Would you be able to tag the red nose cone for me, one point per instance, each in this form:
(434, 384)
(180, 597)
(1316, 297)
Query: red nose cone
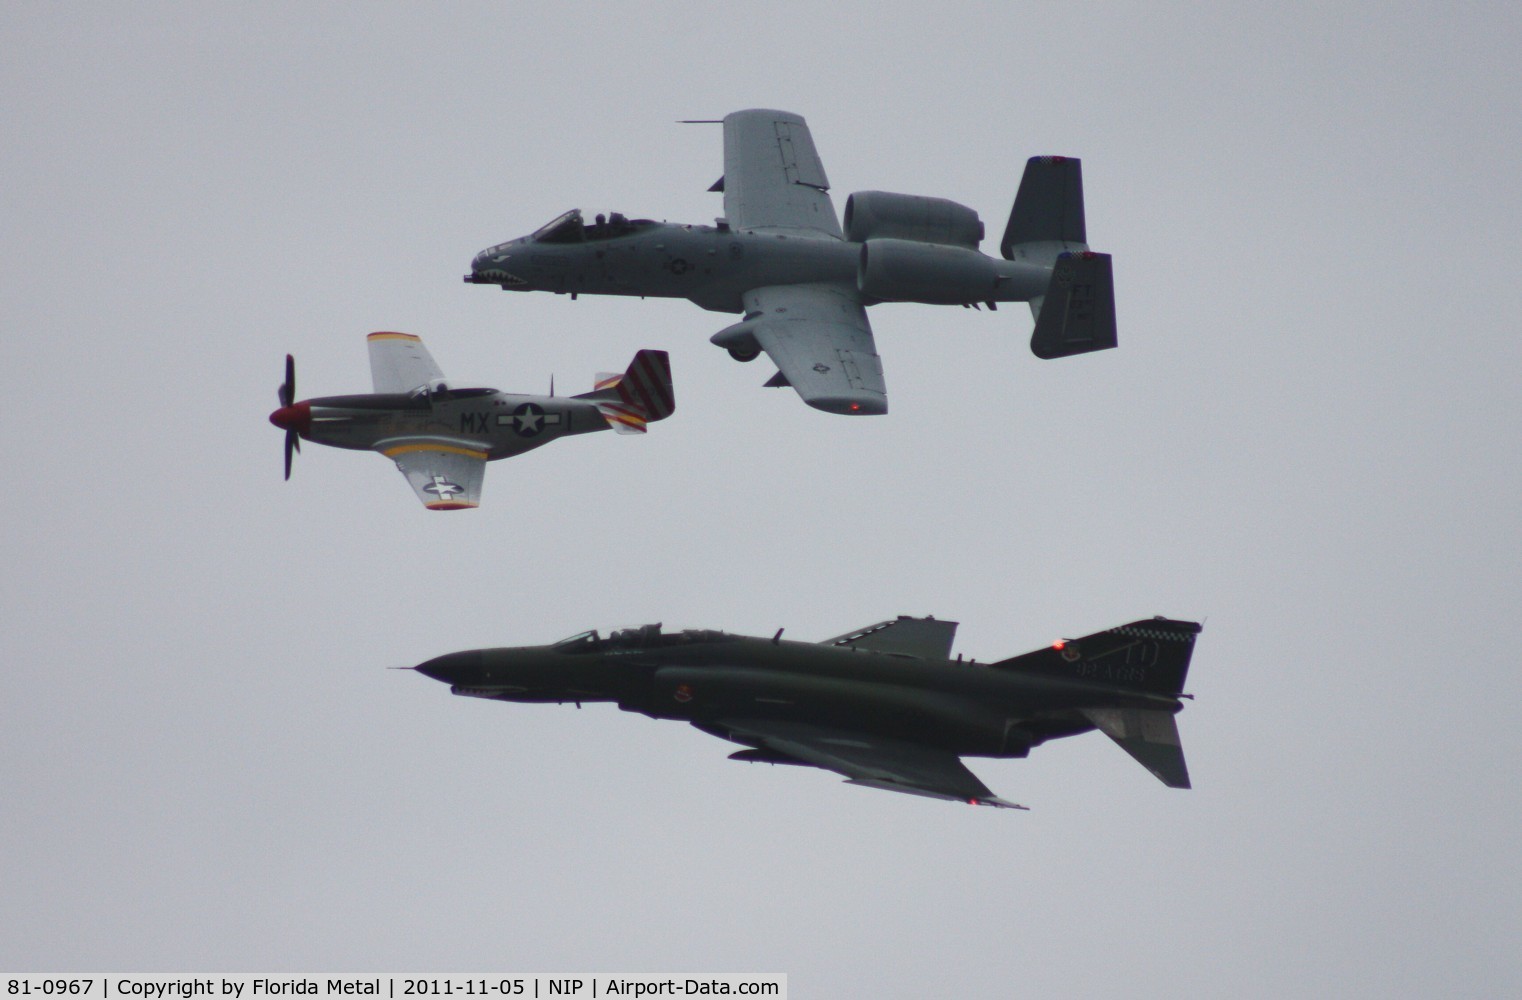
(297, 417)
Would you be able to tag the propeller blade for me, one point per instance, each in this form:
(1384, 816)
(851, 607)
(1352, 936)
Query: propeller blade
(288, 387)
(287, 397)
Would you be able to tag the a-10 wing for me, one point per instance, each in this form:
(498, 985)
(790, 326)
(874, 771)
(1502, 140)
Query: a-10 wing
(870, 760)
(817, 334)
(773, 180)
(819, 339)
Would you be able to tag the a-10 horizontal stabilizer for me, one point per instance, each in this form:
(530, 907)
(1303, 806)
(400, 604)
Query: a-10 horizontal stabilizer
(1151, 736)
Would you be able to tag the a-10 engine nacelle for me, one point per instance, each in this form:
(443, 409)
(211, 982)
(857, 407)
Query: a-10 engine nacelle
(881, 215)
(906, 271)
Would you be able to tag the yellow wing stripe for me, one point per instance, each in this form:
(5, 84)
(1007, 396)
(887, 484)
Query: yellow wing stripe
(393, 336)
(404, 449)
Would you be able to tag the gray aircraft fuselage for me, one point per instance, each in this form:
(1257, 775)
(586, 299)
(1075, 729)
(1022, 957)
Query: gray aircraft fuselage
(501, 424)
(711, 266)
(705, 677)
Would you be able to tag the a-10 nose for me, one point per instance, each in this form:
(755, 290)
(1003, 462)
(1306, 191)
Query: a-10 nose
(481, 262)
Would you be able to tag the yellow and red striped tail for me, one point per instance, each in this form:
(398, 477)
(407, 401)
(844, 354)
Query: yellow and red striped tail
(624, 419)
(640, 395)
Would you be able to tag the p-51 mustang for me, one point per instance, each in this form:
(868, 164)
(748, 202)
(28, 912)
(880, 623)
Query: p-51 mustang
(441, 437)
(780, 256)
(885, 705)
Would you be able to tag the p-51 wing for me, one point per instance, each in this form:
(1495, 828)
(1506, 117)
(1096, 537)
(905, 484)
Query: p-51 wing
(400, 363)
(869, 760)
(445, 475)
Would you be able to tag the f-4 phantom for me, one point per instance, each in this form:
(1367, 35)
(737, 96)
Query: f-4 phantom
(441, 437)
(780, 256)
(885, 706)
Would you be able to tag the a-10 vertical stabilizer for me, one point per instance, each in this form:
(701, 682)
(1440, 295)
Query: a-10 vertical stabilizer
(1076, 315)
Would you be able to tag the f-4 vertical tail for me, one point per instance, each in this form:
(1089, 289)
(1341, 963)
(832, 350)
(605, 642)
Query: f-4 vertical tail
(1149, 656)
(1047, 226)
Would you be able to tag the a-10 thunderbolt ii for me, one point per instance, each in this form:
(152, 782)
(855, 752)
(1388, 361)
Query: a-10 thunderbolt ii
(780, 256)
(885, 705)
(441, 436)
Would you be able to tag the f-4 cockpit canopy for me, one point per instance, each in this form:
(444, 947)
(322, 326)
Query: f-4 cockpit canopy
(634, 638)
(641, 637)
(569, 228)
(581, 642)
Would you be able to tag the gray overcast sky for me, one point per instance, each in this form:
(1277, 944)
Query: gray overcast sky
(1308, 437)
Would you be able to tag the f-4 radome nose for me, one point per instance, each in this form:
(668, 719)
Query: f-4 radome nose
(453, 668)
(296, 417)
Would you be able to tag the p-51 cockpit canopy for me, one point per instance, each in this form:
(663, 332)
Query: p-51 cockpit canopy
(569, 228)
(438, 392)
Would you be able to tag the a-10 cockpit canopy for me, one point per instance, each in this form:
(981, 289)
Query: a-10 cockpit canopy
(642, 637)
(569, 228)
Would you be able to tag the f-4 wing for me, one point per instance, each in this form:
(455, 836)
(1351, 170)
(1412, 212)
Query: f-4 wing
(445, 475)
(872, 761)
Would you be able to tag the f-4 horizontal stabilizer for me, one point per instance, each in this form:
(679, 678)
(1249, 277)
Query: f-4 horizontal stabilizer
(1077, 313)
(1149, 735)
